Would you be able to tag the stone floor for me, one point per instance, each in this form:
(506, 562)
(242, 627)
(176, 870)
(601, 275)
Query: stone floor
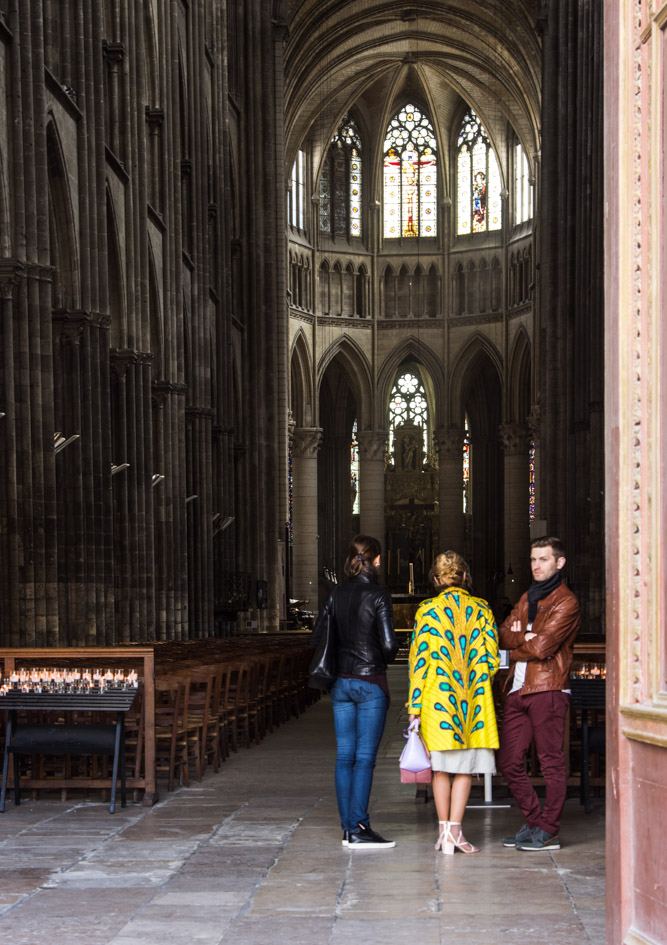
(252, 855)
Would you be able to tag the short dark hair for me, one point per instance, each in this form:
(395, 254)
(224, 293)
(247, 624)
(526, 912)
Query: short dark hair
(550, 541)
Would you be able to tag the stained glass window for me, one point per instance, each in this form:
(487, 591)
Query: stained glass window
(408, 405)
(410, 176)
(479, 206)
(340, 183)
(354, 469)
(523, 189)
(467, 456)
(297, 193)
(531, 481)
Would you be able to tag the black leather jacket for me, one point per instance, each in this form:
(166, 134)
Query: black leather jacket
(363, 626)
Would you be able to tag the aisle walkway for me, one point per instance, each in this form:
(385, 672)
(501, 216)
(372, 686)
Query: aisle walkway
(252, 856)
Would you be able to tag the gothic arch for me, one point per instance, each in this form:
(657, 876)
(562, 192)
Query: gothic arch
(156, 317)
(478, 350)
(152, 60)
(519, 390)
(434, 381)
(5, 228)
(353, 360)
(62, 231)
(301, 385)
(116, 280)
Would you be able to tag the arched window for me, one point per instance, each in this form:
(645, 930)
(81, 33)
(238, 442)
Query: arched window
(408, 405)
(531, 481)
(340, 183)
(410, 176)
(354, 470)
(478, 179)
(296, 198)
(467, 456)
(523, 189)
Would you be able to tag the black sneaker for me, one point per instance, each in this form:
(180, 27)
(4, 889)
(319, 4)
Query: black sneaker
(523, 833)
(540, 840)
(363, 838)
(346, 838)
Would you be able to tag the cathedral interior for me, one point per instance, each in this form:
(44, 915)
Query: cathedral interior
(276, 272)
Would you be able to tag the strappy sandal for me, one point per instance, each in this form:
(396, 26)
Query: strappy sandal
(459, 842)
(443, 843)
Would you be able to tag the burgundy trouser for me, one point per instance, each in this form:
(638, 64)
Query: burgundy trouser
(539, 717)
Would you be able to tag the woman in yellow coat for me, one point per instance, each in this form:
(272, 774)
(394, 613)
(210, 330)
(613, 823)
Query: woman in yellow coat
(453, 659)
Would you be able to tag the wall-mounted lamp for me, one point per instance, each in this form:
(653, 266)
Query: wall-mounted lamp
(225, 523)
(119, 468)
(156, 479)
(60, 441)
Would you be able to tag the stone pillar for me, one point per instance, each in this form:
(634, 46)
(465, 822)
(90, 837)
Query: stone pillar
(514, 441)
(449, 444)
(307, 441)
(372, 445)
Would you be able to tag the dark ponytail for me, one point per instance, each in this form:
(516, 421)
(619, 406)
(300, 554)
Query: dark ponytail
(363, 552)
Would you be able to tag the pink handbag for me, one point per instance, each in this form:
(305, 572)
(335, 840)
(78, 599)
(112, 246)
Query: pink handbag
(415, 761)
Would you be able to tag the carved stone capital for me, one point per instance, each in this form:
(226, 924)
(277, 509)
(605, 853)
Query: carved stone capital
(121, 360)
(113, 52)
(513, 438)
(11, 273)
(449, 443)
(307, 441)
(534, 421)
(164, 388)
(154, 118)
(372, 445)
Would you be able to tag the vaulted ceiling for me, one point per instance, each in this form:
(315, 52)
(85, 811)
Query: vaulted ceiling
(371, 53)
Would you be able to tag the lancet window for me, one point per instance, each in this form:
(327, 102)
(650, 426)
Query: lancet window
(523, 189)
(297, 193)
(479, 206)
(410, 176)
(408, 406)
(340, 183)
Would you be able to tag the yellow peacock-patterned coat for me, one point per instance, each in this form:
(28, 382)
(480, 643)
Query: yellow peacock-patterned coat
(453, 659)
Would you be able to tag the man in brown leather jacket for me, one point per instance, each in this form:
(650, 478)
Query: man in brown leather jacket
(539, 634)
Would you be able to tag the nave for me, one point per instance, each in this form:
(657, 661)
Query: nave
(252, 855)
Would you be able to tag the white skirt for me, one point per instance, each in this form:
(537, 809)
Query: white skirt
(464, 761)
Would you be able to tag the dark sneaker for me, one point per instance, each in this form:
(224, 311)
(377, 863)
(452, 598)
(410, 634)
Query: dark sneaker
(363, 838)
(540, 840)
(346, 838)
(523, 833)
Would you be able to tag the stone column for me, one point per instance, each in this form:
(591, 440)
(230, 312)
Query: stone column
(449, 444)
(372, 445)
(514, 441)
(307, 441)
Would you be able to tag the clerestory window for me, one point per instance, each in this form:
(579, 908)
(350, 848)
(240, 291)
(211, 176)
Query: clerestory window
(410, 176)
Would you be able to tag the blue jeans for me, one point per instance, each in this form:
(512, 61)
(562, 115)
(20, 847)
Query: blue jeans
(359, 710)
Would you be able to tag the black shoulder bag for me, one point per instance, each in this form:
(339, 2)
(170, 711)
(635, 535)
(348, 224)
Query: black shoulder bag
(322, 669)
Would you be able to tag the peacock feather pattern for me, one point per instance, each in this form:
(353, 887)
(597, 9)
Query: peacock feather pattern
(453, 658)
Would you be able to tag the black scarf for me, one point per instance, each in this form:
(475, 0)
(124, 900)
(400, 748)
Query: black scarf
(540, 589)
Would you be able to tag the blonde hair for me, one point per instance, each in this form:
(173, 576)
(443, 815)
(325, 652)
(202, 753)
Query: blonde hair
(449, 569)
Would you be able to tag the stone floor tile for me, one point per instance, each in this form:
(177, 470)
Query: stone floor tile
(376, 931)
(253, 855)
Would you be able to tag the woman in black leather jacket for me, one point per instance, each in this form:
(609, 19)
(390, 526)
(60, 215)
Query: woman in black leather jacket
(361, 621)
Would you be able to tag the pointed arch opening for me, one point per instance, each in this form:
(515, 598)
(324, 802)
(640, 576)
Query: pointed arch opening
(479, 207)
(410, 175)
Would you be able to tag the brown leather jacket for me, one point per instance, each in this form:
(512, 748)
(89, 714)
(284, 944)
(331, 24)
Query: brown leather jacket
(549, 654)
